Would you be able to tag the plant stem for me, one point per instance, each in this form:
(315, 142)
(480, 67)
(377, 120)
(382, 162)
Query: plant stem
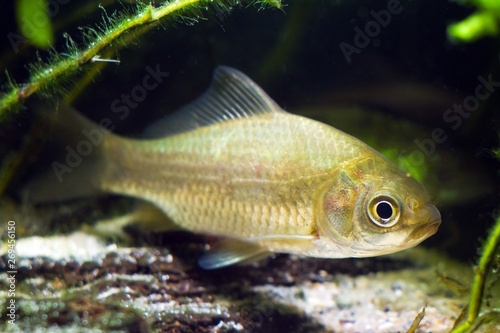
(481, 272)
(49, 75)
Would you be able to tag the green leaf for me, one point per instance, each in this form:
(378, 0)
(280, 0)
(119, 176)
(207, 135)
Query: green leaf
(477, 25)
(34, 22)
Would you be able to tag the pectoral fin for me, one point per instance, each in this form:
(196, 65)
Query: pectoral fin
(229, 252)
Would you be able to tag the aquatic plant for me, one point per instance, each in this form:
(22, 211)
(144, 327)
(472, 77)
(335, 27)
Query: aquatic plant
(62, 65)
(485, 21)
(481, 271)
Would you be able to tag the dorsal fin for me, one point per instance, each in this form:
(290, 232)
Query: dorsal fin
(231, 95)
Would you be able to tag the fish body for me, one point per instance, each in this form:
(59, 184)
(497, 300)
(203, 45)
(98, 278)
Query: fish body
(234, 164)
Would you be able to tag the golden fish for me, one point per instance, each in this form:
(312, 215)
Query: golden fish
(234, 164)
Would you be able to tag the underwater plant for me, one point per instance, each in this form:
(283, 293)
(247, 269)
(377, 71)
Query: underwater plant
(61, 65)
(484, 269)
(485, 21)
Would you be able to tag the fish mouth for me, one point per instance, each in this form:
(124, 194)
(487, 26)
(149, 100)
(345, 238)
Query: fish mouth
(425, 230)
(429, 228)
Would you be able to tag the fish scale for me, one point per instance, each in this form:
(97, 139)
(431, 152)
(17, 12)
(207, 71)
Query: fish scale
(196, 188)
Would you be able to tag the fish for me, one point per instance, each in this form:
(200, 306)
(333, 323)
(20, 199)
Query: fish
(235, 165)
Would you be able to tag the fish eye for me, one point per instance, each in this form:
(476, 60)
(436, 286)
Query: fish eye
(383, 211)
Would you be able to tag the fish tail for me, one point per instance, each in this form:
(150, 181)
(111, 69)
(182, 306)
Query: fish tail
(80, 163)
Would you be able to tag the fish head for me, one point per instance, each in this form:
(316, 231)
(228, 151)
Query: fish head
(374, 208)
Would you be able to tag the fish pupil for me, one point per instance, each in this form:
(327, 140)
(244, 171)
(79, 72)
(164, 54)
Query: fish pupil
(384, 210)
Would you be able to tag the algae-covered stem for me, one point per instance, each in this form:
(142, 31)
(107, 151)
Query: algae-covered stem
(481, 272)
(417, 320)
(48, 76)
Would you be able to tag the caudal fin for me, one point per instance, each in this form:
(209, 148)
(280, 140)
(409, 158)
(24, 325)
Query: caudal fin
(77, 170)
